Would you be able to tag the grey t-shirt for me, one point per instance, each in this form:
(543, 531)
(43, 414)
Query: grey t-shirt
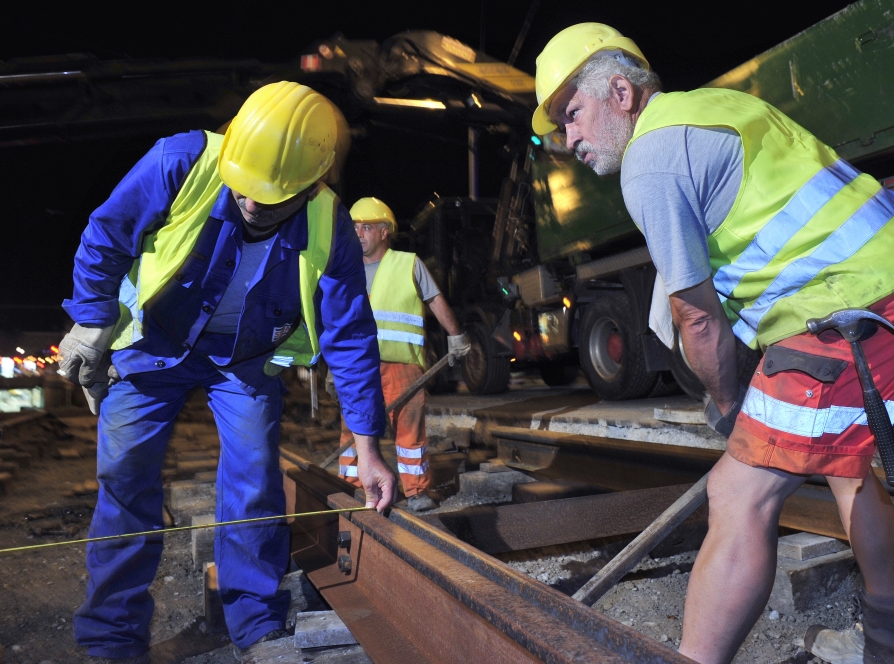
(225, 319)
(426, 287)
(679, 184)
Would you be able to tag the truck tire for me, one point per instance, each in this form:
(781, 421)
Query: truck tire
(558, 374)
(746, 362)
(484, 372)
(611, 354)
(436, 348)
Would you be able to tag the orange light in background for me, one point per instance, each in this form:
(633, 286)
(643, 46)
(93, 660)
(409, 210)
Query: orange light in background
(17, 360)
(55, 349)
(517, 336)
(566, 302)
(512, 359)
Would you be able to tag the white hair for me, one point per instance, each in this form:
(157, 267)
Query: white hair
(593, 78)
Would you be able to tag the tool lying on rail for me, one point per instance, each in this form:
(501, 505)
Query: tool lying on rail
(856, 325)
(407, 394)
(629, 557)
(182, 528)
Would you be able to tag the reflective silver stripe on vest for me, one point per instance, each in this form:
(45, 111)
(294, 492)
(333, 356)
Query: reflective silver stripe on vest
(347, 471)
(803, 206)
(398, 317)
(397, 335)
(804, 420)
(406, 469)
(128, 295)
(841, 244)
(349, 453)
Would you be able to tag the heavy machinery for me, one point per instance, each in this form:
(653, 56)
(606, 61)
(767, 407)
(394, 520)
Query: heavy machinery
(550, 274)
(566, 281)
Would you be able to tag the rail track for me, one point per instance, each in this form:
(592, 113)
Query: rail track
(411, 592)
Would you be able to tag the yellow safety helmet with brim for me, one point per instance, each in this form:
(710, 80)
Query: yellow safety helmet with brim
(564, 56)
(373, 211)
(280, 143)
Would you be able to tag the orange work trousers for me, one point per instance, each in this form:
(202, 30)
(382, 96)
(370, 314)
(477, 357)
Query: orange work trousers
(408, 423)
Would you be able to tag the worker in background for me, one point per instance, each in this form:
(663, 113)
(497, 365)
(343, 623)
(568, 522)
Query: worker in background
(754, 226)
(216, 262)
(399, 286)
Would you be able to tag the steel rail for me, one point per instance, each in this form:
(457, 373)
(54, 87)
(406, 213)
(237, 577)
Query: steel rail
(457, 604)
(625, 465)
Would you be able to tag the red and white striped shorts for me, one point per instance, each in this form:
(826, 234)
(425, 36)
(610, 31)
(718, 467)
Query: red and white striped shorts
(796, 423)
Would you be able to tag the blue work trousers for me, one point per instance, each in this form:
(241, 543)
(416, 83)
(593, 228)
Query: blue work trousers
(135, 423)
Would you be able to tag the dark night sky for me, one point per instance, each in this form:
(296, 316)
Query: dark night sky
(49, 191)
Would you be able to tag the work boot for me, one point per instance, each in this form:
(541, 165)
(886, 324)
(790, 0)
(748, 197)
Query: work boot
(420, 503)
(874, 642)
(245, 654)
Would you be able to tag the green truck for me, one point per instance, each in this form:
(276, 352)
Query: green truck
(566, 281)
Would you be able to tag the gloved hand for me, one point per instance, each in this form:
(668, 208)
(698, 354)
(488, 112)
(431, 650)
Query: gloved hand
(330, 386)
(724, 424)
(82, 351)
(458, 346)
(106, 377)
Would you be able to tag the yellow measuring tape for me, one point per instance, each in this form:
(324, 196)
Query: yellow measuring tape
(182, 528)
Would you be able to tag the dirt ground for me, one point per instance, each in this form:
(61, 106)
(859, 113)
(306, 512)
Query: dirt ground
(53, 499)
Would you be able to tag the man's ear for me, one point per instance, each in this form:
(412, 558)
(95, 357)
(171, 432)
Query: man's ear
(622, 92)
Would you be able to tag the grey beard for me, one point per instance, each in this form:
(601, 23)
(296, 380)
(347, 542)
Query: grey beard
(617, 130)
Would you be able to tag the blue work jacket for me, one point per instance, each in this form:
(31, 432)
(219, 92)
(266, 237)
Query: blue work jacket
(175, 318)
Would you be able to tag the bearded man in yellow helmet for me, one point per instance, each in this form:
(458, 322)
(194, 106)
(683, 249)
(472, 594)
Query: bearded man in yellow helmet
(399, 287)
(754, 226)
(216, 262)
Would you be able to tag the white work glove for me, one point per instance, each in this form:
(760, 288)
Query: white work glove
(330, 386)
(99, 390)
(82, 351)
(458, 346)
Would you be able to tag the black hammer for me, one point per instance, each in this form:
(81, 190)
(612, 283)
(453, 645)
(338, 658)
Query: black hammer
(856, 325)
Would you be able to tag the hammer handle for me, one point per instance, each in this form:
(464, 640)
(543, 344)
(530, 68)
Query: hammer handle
(880, 425)
(876, 413)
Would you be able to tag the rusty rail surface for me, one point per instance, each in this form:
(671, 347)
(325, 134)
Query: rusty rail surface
(410, 592)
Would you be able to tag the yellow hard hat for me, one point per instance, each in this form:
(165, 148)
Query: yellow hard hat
(281, 142)
(565, 54)
(372, 210)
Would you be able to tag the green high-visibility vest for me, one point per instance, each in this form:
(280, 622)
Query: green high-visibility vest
(165, 250)
(808, 234)
(399, 313)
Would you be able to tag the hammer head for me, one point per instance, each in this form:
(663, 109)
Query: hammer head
(852, 324)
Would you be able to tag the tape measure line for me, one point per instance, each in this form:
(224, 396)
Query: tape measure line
(183, 528)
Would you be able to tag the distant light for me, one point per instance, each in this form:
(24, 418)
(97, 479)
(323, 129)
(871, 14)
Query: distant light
(536, 140)
(517, 336)
(20, 350)
(54, 350)
(566, 302)
(512, 359)
(432, 104)
(17, 360)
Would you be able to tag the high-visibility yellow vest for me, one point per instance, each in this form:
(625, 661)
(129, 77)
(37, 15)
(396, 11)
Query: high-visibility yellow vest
(165, 250)
(399, 313)
(807, 234)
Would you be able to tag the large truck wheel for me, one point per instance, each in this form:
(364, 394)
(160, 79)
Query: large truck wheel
(557, 374)
(746, 362)
(611, 354)
(484, 372)
(436, 348)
